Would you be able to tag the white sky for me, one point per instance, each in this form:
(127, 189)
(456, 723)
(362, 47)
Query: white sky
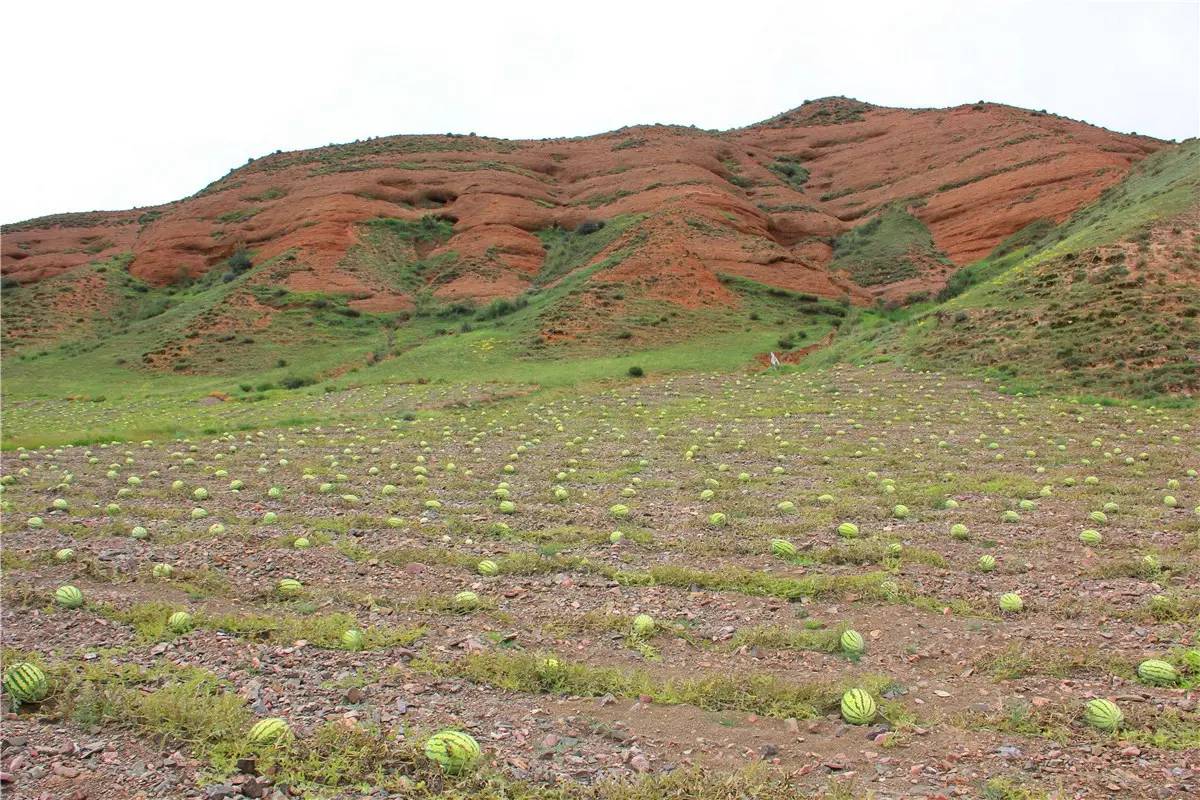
(123, 104)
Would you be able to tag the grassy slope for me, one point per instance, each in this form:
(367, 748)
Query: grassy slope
(1106, 333)
(94, 390)
(885, 249)
(112, 397)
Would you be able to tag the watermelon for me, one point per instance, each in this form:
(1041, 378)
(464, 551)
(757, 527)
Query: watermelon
(959, 531)
(272, 730)
(353, 639)
(68, 597)
(162, 570)
(717, 519)
(986, 563)
(301, 543)
(786, 507)
(1157, 673)
(507, 507)
(1011, 602)
(847, 530)
(858, 707)
(643, 625)
(1091, 536)
(25, 683)
(620, 511)
(65, 554)
(289, 587)
(465, 601)
(783, 548)
(1103, 714)
(900, 512)
(454, 751)
(852, 642)
(488, 567)
(180, 622)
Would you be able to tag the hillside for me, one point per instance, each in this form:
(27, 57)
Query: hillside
(663, 246)
(1106, 303)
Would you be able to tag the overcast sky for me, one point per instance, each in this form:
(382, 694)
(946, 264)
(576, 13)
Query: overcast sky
(123, 104)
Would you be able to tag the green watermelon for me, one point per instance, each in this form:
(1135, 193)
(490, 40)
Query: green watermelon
(68, 597)
(454, 751)
(852, 642)
(289, 587)
(1103, 714)
(272, 730)
(1011, 602)
(858, 707)
(25, 683)
(180, 622)
(783, 548)
(1157, 673)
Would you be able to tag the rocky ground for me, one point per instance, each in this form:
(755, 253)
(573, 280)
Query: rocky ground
(738, 683)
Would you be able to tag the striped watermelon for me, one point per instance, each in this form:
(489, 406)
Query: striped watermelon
(1157, 673)
(488, 567)
(180, 622)
(1011, 602)
(852, 642)
(1103, 714)
(643, 625)
(858, 707)
(783, 548)
(289, 587)
(68, 597)
(269, 731)
(987, 563)
(454, 751)
(353, 639)
(847, 530)
(25, 683)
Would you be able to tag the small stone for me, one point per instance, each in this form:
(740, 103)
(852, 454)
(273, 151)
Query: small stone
(640, 763)
(768, 750)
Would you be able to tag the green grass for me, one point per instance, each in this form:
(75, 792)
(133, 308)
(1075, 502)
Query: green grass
(887, 248)
(759, 694)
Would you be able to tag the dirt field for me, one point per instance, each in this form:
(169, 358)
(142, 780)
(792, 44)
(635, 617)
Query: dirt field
(736, 686)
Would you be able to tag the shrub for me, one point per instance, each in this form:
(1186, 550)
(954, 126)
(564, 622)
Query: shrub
(636, 372)
(240, 261)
